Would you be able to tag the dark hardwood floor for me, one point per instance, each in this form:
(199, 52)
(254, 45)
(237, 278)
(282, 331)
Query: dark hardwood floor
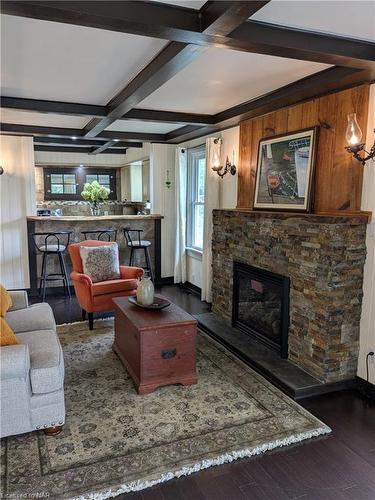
(67, 311)
(340, 466)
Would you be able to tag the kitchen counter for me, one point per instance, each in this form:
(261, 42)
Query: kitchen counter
(151, 231)
(96, 218)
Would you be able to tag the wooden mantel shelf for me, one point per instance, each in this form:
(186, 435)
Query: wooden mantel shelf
(319, 217)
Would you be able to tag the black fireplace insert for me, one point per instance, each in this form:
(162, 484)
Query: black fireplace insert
(261, 305)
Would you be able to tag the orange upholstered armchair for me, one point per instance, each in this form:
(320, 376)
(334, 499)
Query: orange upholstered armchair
(97, 297)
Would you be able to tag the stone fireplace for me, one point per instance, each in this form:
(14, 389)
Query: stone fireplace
(322, 258)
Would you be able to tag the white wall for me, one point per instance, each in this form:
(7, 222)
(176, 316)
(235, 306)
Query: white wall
(367, 332)
(17, 200)
(228, 188)
(162, 158)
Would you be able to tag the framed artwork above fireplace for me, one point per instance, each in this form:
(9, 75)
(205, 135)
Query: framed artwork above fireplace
(285, 172)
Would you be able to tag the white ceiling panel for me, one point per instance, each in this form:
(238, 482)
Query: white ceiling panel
(41, 119)
(220, 79)
(355, 19)
(143, 127)
(62, 62)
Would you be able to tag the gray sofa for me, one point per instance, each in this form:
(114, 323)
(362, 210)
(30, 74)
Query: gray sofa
(32, 372)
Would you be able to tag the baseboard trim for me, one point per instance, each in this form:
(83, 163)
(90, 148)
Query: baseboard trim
(366, 388)
(192, 288)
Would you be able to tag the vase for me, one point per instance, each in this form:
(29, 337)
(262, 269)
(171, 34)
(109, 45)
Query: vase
(145, 291)
(95, 209)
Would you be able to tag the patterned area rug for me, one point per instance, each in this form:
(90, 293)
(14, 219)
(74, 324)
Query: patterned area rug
(116, 441)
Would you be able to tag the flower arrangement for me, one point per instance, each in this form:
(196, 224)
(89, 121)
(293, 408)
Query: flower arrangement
(95, 193)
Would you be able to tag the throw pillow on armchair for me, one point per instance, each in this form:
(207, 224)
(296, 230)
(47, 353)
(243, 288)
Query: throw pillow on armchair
(101, 263)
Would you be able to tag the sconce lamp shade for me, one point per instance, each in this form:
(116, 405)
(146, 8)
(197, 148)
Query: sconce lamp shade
(353, 138)
(353, 131)
(216, 160)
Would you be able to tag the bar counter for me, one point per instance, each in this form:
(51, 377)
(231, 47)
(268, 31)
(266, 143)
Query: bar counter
(95, 218)
(151, 225)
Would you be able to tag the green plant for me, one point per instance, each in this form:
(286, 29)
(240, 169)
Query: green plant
(94, 192)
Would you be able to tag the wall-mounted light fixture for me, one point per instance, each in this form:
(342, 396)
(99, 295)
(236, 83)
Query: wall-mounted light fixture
(1, 170)
(353, 138)
(222, 170)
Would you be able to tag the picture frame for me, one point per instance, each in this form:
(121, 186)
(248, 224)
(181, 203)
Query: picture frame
(285, 171)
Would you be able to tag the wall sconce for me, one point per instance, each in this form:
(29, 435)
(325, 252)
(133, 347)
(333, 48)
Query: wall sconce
(220, 169)
(353, 138)
(1, 170)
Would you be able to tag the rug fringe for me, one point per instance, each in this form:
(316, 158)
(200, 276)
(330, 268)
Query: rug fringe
(205, 464)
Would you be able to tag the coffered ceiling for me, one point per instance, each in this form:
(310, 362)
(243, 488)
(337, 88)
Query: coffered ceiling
(171, 71)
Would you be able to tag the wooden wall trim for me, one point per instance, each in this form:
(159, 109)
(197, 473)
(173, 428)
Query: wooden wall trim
(338, 176)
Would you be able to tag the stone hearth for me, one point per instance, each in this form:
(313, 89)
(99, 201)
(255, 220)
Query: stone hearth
(323, 256)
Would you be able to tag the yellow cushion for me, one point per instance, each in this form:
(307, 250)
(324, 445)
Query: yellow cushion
(7, 336)
(5, 301)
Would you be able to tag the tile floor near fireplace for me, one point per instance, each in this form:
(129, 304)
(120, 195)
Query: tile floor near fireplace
(285, 375)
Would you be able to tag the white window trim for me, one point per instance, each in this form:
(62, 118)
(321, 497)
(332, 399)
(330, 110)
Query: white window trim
(197, 152)
(194, 253)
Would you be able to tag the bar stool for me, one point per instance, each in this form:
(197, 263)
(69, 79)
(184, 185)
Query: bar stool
(135, 243)
(48, 244)
(101, 235)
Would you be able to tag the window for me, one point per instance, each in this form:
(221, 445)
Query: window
(195, 198)
(63, 184)
(67, 183)
(103, 179)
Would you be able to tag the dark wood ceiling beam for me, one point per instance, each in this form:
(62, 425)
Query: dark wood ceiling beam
(183, 132)
(185, 26)
(281, 41)
(131, 136)
(83, 142)
(54, 107)
(34, 130)
(73, 109)
(136, 17)
(223, 17)
(69, 149)
(154, 115)
(52, 132)
(103, 147)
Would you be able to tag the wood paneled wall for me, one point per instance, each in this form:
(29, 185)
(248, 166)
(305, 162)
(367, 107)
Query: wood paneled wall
(338, 177)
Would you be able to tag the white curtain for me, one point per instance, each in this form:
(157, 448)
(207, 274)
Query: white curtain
(211, 201)
(181, 195)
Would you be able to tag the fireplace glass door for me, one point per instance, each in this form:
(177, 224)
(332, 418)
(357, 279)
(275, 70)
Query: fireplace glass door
(261, 305)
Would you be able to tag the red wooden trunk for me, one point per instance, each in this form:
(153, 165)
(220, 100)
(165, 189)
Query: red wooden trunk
(156, 347)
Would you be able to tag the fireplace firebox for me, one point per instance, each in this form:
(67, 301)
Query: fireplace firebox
(261, 305)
